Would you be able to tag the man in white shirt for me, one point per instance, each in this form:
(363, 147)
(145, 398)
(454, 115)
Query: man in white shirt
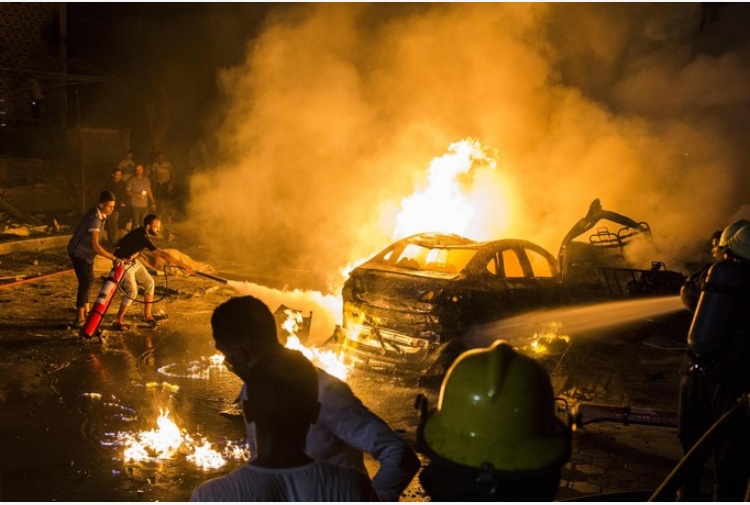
(283, 403)
(244, 330)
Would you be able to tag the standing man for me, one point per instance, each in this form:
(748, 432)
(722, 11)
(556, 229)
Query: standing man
(127, 165)
(716, 369)
(116, 185)
(84, 246)
(162, 176)
(245, 332)
(129, 249)
(283, 403)
(162, 181)
(139, 192)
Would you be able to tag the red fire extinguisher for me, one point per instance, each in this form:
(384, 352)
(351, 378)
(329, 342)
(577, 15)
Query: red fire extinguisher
(103, 301)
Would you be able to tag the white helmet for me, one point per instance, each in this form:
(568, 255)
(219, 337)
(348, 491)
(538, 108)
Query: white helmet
(731, 230)
(739, 244)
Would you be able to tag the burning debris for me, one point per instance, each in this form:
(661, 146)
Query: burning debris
(410, 301)
(167, 441)
(292, 324)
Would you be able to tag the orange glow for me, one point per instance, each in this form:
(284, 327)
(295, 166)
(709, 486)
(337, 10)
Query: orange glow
(547, 338)
(161, 443)
(464, 195)
(331, 362)
(168, 441)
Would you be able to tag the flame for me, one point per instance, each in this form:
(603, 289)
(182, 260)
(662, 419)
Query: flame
(331, 362)
(450, 203)
(162, 443)
(206, 457)
(168, 440)
(217, 361)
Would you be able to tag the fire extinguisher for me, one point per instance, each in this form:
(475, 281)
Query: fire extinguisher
(103, 301)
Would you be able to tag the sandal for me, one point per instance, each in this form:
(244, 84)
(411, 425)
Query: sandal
(120, 326)
(151, 323)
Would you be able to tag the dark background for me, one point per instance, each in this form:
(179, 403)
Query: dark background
(159, 63)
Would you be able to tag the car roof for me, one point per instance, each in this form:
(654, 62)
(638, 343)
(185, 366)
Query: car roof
(432, 239)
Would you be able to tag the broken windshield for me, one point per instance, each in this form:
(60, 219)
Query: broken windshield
(437, 259)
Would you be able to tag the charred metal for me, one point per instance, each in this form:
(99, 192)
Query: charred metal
(422, 293)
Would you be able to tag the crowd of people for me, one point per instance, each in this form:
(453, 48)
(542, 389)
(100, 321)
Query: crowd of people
(494, 435)
(138, 187)
(126, 213)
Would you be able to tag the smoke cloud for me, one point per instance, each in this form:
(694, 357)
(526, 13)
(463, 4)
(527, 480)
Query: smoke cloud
(338, 109)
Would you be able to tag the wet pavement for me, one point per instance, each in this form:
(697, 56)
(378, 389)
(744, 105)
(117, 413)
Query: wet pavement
(65, 400)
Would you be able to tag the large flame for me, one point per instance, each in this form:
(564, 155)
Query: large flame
(464, 195)
(454, 200)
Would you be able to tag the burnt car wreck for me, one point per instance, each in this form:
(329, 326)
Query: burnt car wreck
(418, 296)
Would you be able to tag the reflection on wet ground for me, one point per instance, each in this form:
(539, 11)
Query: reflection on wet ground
(111, 398)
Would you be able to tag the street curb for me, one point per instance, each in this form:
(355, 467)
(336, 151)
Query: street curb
(34, 244)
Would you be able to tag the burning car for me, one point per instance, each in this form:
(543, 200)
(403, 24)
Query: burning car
(422, 292)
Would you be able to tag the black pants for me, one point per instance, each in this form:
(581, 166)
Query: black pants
(85, 274)
(696, 415)
(703, 401)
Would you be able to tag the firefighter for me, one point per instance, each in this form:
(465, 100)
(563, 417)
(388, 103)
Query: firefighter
(694, 405)
(691, 289)
(717, 367)
(494, 435)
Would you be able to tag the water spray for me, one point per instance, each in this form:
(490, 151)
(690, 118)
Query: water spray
(576, 320)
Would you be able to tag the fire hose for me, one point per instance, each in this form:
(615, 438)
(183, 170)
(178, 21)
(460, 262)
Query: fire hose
(94, 319)
(727, 423)
(586, 413)
(731, 421)
(212, 277)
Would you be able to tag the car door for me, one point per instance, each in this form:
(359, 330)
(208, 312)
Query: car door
(528, 275)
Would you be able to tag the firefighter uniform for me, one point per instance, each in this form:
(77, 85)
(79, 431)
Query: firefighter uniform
(716, 368)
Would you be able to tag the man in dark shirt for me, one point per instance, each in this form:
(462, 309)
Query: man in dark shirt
(128, 249)
(116, 185)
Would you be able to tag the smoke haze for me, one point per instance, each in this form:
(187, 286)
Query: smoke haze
(338, 110)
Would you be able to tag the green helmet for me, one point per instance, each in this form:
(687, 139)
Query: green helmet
(496, 407)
